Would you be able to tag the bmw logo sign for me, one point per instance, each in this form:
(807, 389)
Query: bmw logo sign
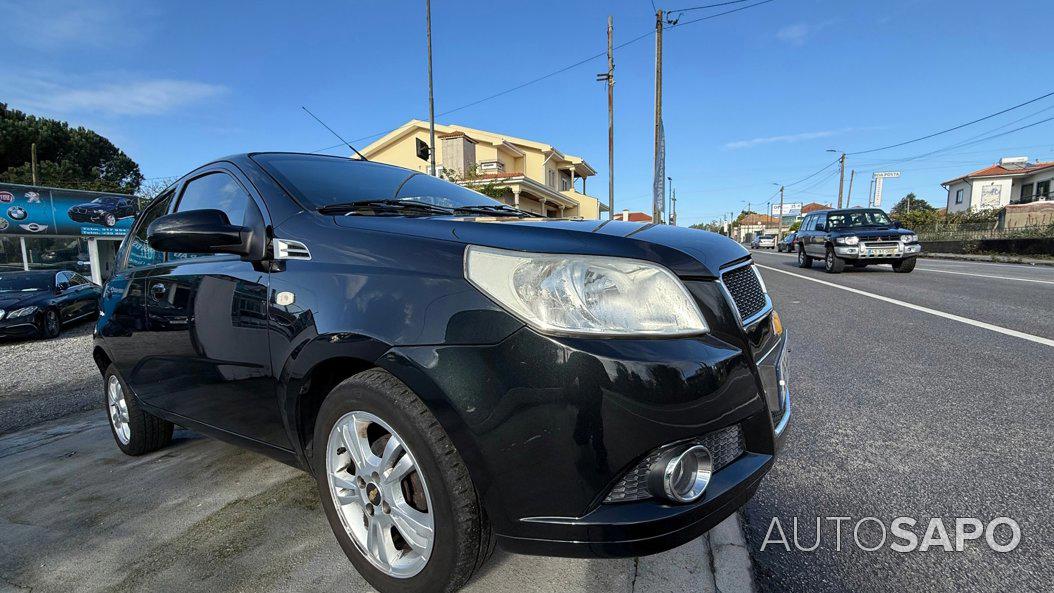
(17, 213)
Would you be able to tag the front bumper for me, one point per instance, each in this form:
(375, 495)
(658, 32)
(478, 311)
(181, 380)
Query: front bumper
(548, 426)
(864, 252)
(19, 327)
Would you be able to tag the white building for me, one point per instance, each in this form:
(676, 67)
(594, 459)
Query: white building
(1013, 180)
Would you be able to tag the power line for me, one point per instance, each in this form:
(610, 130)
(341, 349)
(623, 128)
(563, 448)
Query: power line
(952, 129)
(811, 175)
(565, 68)
(689, 9)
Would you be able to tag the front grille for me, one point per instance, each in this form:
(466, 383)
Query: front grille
(746, 290)
(881, 244)
(725, 445)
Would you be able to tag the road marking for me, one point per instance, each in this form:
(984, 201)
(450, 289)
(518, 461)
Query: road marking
(931, 261)
(987, 276)
(966, 320)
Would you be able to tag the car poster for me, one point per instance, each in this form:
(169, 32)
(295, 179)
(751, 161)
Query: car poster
(29, 210)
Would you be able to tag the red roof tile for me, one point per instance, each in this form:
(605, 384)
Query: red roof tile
(1000, 171)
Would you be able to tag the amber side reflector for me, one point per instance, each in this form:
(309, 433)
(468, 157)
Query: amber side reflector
(777, 325)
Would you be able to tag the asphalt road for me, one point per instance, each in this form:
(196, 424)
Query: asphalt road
(899, 412)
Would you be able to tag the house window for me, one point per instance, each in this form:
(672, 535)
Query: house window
(958, 196)
(1043, 190)
(1026, 194)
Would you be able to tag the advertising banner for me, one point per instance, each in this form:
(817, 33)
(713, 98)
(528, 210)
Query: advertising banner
(789, 209)
(29, 210)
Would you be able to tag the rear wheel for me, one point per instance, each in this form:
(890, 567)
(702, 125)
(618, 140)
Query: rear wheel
(833, 264)
(904, 266)
(394, 489)
(135, 430)
(804, 261)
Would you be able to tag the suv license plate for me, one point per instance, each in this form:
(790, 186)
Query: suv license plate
(881, 251)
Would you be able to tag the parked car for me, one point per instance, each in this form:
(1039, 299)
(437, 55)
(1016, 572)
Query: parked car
(453, 371)
(105, 210)
(39, 302)
(763, 242)
(857, 236)
(786, 243)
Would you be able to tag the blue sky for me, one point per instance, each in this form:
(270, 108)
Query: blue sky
(751, 98)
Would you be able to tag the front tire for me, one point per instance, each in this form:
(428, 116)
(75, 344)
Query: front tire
(135, 430)
(904, 266)
(833, 264)
(395, 490)
(50, 324)
(804, 261)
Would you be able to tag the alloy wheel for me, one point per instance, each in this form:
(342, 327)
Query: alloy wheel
(51, 323)
(118, 408)
(801, 257)
(380, 494)
(829, 262)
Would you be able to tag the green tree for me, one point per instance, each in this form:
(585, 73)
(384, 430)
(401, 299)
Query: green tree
(794, 227)
(70, 157)
(910, 203)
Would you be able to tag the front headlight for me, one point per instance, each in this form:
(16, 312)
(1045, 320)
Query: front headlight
(585, 294)
(854, 240)
(909, 238)
(22, 312)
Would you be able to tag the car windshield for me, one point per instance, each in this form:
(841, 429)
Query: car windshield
(25, 282)
(319, 181)
(863, 218)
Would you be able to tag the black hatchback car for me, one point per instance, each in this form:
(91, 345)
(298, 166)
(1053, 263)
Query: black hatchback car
(39, 302)
(857, 236)
(453, 371)
(105, 210)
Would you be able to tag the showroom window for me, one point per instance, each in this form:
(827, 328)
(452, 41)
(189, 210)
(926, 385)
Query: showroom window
(10, 253)
(57, 253)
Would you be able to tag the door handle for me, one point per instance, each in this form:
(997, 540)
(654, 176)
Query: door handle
(158, 290)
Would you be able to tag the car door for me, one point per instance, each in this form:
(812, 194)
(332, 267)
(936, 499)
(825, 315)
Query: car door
(122, 320)
(65, 297)
(87, 294)
(815, 244)
(207, 319)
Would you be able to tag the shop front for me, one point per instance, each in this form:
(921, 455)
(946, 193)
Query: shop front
(63, 229)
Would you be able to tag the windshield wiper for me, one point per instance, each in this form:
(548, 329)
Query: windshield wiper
(387, 204)
(496, 210)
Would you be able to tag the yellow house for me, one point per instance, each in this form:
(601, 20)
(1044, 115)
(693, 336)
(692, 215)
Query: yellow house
(529, 175)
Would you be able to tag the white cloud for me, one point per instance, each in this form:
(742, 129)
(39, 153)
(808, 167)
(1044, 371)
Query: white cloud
(59, 24)
(784, 138)
(131, 97)
(797, 33)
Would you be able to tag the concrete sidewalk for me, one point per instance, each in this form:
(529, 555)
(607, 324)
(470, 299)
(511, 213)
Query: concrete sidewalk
(77, 515)
(1003, 259)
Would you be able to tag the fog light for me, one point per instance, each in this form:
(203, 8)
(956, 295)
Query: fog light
(681, 475)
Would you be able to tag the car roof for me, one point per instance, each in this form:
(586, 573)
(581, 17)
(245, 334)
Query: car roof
(31, 272)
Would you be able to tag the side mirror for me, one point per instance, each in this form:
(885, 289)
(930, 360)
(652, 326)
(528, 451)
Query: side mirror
(896, 224)
(199, 231)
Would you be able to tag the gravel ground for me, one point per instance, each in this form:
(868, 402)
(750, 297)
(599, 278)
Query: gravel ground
(46, 379)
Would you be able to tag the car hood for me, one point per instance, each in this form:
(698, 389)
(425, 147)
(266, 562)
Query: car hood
(11, 301)
(687, 252)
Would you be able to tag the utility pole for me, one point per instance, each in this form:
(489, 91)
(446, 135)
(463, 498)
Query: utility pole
(841, 178)
(33, 161)
(779, 225)
(673, 208)
(431, 98)
(657, 193)
(610, 79)
(849, 196)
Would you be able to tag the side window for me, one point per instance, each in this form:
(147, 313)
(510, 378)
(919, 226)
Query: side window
(139, 251)
(806, 225)
(959, 196)
(214, 191)
(62, 278)
(820, 221)
(76, 279)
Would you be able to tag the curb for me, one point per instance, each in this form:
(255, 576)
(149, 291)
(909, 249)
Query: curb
(730, 557)
(1002, 259)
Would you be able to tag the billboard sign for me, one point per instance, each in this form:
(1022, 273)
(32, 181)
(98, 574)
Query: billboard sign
(878, 177)
(789, 209)
(30, 210)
